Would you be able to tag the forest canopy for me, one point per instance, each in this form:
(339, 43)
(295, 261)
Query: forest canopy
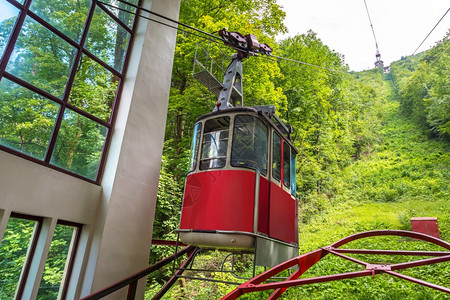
(367, 141)
(356, 133)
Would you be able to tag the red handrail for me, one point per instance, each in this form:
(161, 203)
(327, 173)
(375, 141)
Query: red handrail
(132, 280)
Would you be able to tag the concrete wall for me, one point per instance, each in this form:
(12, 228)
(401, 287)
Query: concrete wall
(118, 215)
(128, 202)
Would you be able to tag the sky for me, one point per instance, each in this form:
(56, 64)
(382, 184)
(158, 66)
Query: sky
(400, 26)
(7, 10)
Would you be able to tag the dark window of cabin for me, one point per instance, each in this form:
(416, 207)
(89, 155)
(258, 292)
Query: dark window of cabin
(286, 165)
(215, 143)
(194, 146)
(276, 157)
(293, 182)
(249, 149)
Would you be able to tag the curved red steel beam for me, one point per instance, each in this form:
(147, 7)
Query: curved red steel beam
(306, 261)
(404, 233)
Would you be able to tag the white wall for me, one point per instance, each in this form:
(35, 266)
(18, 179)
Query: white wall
(129, 199)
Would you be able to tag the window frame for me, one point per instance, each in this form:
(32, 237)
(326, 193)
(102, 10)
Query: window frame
(265, 173)
(71, 255)
(204, 132)
(272, 160)
(286, 150)
(293, 163)
(24, 11)
(31, 251)
(195, 148)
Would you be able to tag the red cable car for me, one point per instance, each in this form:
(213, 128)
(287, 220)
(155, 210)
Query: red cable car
(242, 183)
(240, 191)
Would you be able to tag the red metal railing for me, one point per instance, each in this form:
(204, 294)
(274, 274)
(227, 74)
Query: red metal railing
(306, 261)
(132, 280)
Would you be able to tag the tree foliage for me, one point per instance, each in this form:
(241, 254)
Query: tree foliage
(350, 152)
(13, 250)
(43, 59)
(339, 122)
(424, 90)
(188, 100)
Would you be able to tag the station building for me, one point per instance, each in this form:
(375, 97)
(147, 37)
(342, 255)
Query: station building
(83, 101)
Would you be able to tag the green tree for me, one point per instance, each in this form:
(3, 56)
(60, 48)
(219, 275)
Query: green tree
(317, 109)
(27, 118)
(13, 250)
(188, 100)
(423, 88)
(43, 59)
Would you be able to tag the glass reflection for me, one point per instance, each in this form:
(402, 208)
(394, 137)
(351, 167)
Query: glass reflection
(41, 58)
(249, 147)
(13, 254)
(286, 165)
(122, 10)
(276, 157)
(8, 16)
(26, 119)
(79, 145)
(107, 39)
(66, 16)
(215, 143)
(195, 145)
(94, 89)
(55, 266)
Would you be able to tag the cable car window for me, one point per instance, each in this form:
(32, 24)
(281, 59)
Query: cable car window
(293, 182)
(276, 157)
(286, 165)
(249, 149)
(194, 146)
(215, 143)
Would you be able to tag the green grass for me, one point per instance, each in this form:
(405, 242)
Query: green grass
(406, 175)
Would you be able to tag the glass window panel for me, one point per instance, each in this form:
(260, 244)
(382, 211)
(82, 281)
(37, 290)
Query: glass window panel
(79, 145)
(66, 16)
(249, 148)
(286, 165)
(107, 39)
(26, 119)
(8, 16)
(13, 252)
(215, 143)
(293, 182)
(41, 58)
(122, 12)
(276, 157)
(57, 259)
(94, 89)
(194, 146)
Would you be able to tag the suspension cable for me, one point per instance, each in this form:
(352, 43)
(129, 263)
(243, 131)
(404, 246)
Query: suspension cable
(439, 56)
(430, 31)
(371, 26)
(205, 33)
(169, 19)
(308, 64)
(156, 21)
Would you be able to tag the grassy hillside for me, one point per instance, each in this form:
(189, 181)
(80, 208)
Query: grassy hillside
(373, 153)
(401, 174)
(404, 175)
